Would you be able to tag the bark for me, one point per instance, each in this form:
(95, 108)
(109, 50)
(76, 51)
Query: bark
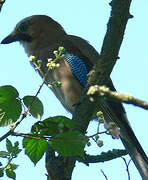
(98, 76)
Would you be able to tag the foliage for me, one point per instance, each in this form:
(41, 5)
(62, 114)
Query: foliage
(70, 143)
(36, 109)
(57, 132)
(11, 153)
(35, 148)
(10, 105)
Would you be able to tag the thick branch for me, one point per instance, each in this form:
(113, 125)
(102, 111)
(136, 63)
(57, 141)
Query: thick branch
(100, 73)
(103, 91)
(58, 167)
(104, 156)
(109, 54)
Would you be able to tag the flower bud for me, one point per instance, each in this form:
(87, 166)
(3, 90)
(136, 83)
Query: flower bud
(50, 85)
(39, 62)
(89, 144)
(61, 49)
(55, 53)
(48, 65)
(32, 58)
(58, 84)
(100, 143)
(57, 65)
(97, 137)
(49, 60)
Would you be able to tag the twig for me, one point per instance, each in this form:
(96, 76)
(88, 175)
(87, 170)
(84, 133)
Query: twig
(10, 132)
(14, 126)
(5, 135)
(59, 55)
(103, 91)
(31, 136)
(127, 167)
(103, 132)
(104, 174)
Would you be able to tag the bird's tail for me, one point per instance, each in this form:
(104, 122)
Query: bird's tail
(136, 152)
(114, 112)
(138, 156)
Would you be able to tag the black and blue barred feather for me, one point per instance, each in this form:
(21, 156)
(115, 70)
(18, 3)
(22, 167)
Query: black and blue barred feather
(78, 67)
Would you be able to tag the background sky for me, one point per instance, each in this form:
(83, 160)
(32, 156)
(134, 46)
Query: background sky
(86, 19)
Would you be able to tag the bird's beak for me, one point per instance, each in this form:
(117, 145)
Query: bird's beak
(9, 39)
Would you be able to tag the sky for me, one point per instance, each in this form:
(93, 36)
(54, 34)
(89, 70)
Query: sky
(86, 19)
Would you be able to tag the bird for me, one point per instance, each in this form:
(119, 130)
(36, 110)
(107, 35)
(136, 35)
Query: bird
(40, 35)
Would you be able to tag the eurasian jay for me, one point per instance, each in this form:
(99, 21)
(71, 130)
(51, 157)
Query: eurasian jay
(40, 35)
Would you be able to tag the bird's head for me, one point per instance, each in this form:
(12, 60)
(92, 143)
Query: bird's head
(36, 32)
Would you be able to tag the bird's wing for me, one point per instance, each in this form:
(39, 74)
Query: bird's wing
(113, 111)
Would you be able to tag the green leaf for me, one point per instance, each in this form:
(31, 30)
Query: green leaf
(16, 144)
(10, 106)
(16, 152)
(69, 143)
(16, 149)
(4, 154)
(1, 172)
(52, 126)
(10, 173)
(9, 146)
(13, 166)
(8, 92)
(35, 148)
(36, 108)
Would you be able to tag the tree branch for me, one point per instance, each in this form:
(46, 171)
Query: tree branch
(23, 116)
(58, 167)
(101, 71)
(127, 167)
(104, 156)
(103, 91)
(1, 4)
(104, 174)
(103, 68)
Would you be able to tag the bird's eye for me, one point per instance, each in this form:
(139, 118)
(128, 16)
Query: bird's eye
(22, 30)
(23, 26)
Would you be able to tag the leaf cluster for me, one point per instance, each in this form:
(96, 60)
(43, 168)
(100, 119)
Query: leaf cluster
(11, 153)
(54, 131)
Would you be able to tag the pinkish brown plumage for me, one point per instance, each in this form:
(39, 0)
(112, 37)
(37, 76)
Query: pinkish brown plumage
(40, 35)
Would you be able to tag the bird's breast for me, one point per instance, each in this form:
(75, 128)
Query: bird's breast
(72, 74)
(70, 90)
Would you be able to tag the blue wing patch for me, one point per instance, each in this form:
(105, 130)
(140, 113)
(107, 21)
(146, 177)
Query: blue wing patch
(78, 67)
